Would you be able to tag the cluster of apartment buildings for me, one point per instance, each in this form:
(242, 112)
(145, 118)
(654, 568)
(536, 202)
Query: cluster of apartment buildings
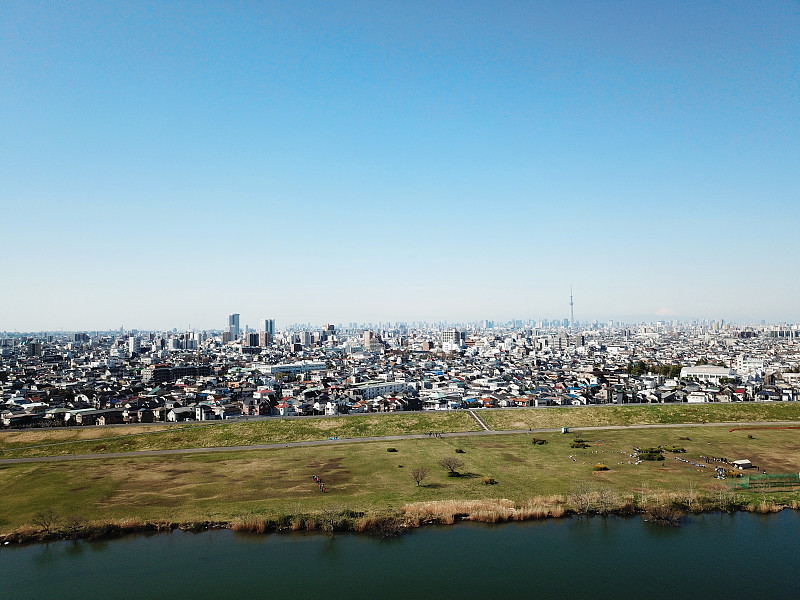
(55, 379)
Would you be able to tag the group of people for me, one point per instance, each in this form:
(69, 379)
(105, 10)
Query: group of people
(710, 459)
(435, 434)
(321, 485)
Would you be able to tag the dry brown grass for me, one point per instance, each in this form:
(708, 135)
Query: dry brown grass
(27, 531)
(541, 507)
(764, 507)
(250, 524)
(131, 524)
(492, 510)
(31, 437)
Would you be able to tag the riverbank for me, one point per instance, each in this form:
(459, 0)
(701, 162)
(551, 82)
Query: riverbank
(660, 509)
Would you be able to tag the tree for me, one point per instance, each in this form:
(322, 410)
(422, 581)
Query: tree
(74, 525)
(640, 368)
(419, 474)
(452, 464)
(581, 497)
(46, 519)
(331, 518)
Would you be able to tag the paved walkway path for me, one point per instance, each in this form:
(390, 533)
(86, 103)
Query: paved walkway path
(480, 421)
(387, 438)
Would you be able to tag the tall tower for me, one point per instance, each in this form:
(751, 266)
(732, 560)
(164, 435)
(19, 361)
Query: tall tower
(233, 325)
(267, 325)
(571, 309)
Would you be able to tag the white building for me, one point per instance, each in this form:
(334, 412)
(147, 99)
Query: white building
(303, 366)
(372, 389)
(707, 373)
(747, 365)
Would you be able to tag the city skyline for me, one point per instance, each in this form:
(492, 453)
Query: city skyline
(171, 164)
(268, 326)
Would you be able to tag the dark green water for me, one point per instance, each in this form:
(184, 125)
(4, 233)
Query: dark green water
(710, 556)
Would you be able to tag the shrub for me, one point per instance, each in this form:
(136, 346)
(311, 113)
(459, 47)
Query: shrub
(489, 481)
(391, 449)
(580, 444)
(600, 467)
(459, 451)
(664, 515)
(650, 454)
(538, 441)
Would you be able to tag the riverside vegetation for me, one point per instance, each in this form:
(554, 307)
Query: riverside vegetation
(372, 490)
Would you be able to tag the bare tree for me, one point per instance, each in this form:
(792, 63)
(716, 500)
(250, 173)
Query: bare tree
(419, 474)
(74, 525)
(607, 499)
(690, 495)
(46, 519)
(452, 464)
(643, 496)
(331, 518)
(581, 497)
(723, 496)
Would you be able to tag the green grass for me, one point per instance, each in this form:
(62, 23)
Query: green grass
(599, 416)
(33, 443)
(38, 442)
(365, 477)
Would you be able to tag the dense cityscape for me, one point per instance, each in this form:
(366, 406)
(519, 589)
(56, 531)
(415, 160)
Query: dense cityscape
(112, 377)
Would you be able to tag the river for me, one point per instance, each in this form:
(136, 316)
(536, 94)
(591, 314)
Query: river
(709, 556)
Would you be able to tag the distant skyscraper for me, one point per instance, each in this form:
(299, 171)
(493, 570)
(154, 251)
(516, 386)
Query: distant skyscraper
(268, 326)
(233, 325)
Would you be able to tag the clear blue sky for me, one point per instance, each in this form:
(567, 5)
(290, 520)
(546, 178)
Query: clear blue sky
(165, 164)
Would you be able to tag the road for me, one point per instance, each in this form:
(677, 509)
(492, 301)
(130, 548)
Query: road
(385, 438)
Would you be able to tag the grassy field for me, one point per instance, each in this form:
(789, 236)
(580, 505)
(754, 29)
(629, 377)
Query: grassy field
(599, 416)
(98, 440)
(366, 477)
(39, 442)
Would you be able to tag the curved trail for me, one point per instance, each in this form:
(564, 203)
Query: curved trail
(387, 438)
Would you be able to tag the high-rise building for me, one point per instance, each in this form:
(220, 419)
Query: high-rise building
(453, 336)
(268, 326)
(233, 325)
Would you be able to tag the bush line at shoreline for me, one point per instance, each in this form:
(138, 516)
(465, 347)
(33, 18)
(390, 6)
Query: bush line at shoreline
(658, 508)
